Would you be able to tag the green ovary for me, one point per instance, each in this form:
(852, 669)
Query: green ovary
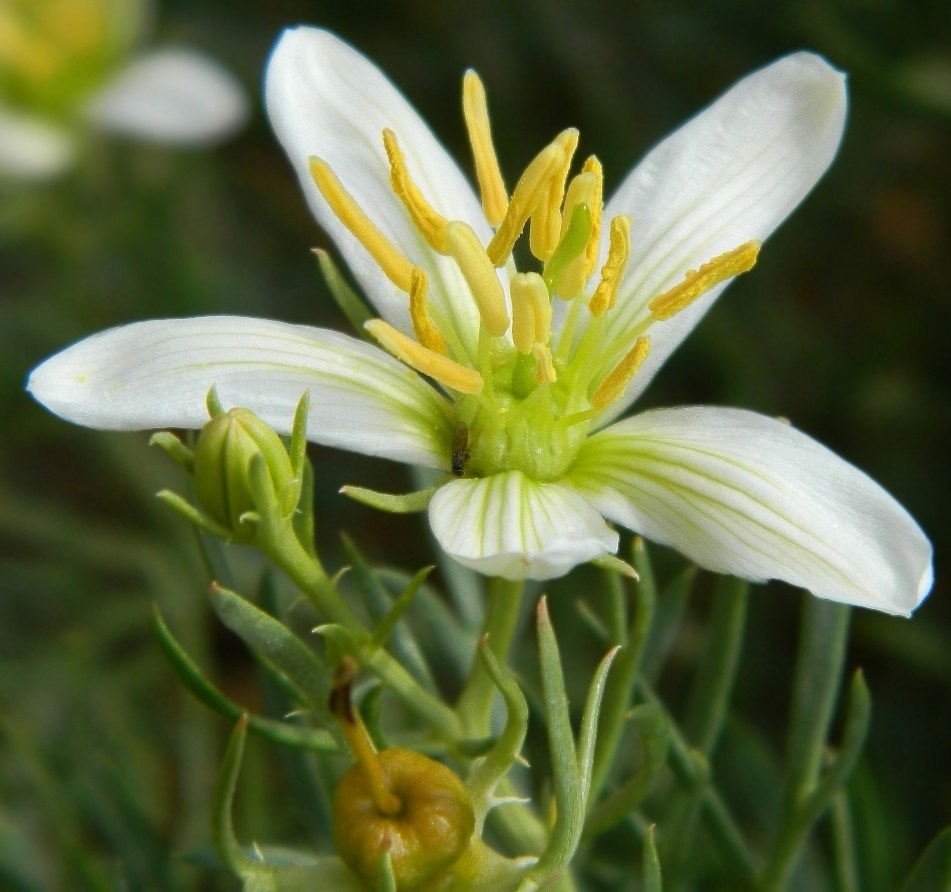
(532, 434)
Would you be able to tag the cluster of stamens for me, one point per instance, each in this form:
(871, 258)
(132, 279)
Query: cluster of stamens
(518, 360)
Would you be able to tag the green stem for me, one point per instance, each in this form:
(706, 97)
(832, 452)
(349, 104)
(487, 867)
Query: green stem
(818, 677)
(823, 636)
(503, 604)
(285, 549)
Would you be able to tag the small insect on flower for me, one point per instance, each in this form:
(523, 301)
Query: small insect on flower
(460, 449)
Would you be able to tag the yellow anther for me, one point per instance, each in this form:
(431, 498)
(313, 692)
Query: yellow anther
(544, 367)
(581, 191)
(479, 272)
(546, 218)
(446, 371)
(495, 200)
(619, 247)
(596, 207)
(426, 331)
(396, 267)
(616, 381)
(700, 281)
(428, 221)
(529, 191)
(531, 311)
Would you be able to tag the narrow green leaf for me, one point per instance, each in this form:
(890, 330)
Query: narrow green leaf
(650, 864)
(191, 676)
(222, 821)
(649, 723)
(671, 605)
(495, 765)
(346, 298)
(566, 777)
(588, 733)
(193, 515)
(620, 688)
(932, 873)
(380, 607)
(276, 643)
(716, 673)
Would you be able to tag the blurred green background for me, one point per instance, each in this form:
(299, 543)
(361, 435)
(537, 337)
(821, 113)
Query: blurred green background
(107, 768)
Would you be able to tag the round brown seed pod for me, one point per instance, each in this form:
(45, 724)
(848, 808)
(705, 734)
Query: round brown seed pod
(431, 830)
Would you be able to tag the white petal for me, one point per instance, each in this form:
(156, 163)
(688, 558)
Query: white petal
(172, 96)
(157, 374)
(748, 495)
(326, 99)
(729, 175)
(32, 149)
(510, 526)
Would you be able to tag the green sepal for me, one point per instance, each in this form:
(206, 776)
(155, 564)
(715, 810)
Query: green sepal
(195, 516)
(283, 733)
(933, 869)
(616, 565)
(272, 641)
(391, 503)
(175, 449)
(650, 864)
(213, 403)
(356, 311)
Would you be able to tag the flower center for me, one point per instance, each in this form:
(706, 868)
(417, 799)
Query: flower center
(528, 398)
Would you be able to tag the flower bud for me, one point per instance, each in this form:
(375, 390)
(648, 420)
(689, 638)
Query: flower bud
(226, 447)
(431, 830)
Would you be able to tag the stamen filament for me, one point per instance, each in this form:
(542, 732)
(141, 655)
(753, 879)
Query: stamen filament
(427, 333)
(428, 221)
(394, 265)
(544, 367)
(619, 248)
(698, 282)
(546, 218)
(596, 207)
(529, 191)
(479, 272)
(386, 801)
(491, 185)
(448, 372)
(616, 381)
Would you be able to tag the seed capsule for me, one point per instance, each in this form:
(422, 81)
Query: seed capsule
(431, 831)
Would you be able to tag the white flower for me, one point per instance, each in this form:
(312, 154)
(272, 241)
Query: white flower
(67, 64)
(526, 385)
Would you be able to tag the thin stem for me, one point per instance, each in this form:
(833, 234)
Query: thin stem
(284, 548)
(823, 636)
(503, 604)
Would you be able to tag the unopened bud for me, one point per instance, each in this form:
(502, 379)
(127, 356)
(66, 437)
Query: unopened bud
(429, 833)
(227, 445)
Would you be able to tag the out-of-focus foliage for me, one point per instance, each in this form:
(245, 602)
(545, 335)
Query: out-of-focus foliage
(108, 766)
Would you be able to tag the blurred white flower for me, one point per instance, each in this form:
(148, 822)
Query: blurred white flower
(526, 371)
(66, 65)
